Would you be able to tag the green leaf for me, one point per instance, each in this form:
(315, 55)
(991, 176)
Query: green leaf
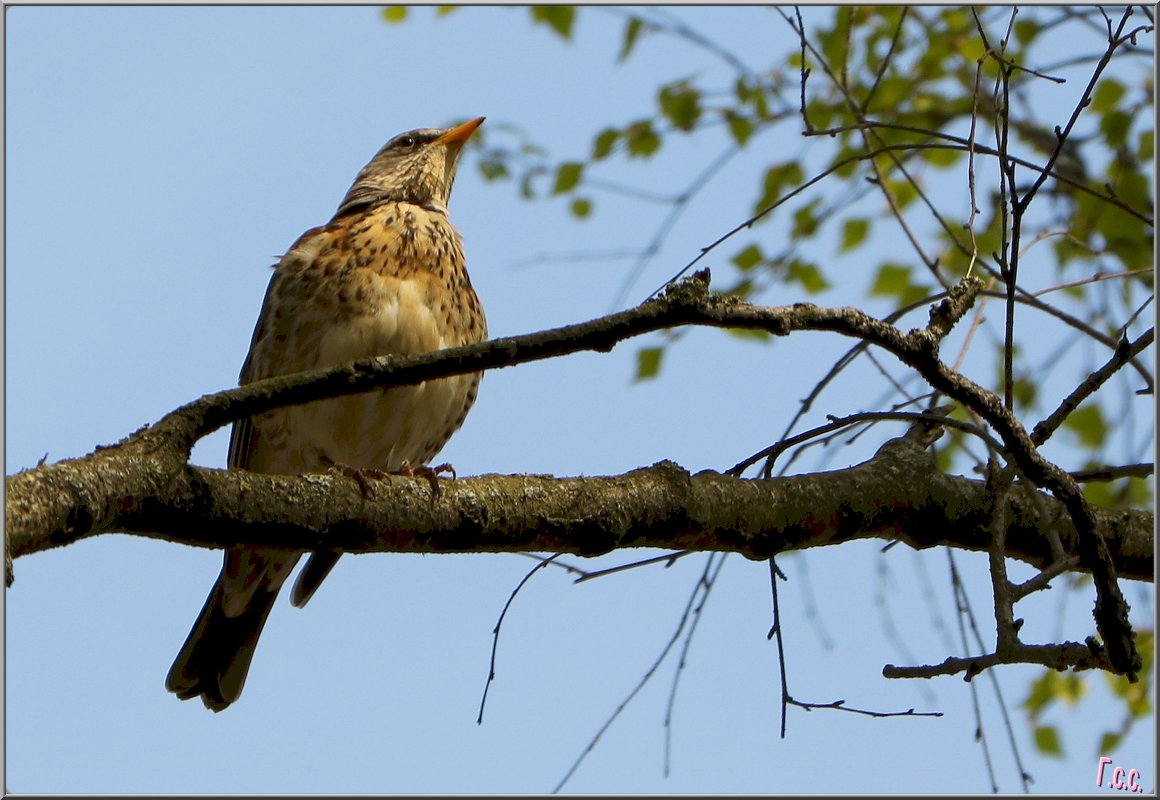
(942, 159)
(934, 109)
(742, 90)
(1132, 493)
(1109, 92)
(1109, 742)
(493, 168)
(395, 14)
(631, 31)
(834, 42)
(1114, 126)
(1125, 236)
(1097, 493)
(805, 221)
(893, 93)
(748, 258)
(1139, 493)
(443, 11)
(824, 114)
(648, 363)
(567, 176)
(1147, 143)
(778, 179)
(740, 127)
(559, 18)
(1087, 422)
(1026, 30)
(751, 95)
(680, 104)
(742, 289)
(808, 275)
(1042, 693)
(893, 280)
(750, 334)
(642, 139)
(1051, 687)
(1025, 392)
(1047, 741)
(903, 191)
(848, 157)
(854, 232)
(1067, 250)
(581, 207)
(944, 457)
(603, 143)
(971, 49)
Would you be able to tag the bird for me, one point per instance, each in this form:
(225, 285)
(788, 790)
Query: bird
(387, 275)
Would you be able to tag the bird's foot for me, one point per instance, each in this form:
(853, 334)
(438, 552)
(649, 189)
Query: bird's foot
(362, 477)
(430, 473)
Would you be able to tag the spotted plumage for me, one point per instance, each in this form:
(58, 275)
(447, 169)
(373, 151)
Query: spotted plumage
(386, 275)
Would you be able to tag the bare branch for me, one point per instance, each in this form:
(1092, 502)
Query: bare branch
(1069, 655)
(1126, 351)
(898, 494)
(62, 502)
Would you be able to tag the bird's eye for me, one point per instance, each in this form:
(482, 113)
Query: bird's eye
(405, 141)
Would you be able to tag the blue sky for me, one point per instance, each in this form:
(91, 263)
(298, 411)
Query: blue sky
(160, 159)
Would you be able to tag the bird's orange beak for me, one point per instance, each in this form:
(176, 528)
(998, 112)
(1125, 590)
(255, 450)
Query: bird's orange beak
(461, 133)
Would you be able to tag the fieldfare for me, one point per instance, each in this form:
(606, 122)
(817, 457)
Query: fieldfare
(385, 276)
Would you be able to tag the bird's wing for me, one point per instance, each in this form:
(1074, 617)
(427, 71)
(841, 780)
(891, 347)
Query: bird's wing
(243, 437)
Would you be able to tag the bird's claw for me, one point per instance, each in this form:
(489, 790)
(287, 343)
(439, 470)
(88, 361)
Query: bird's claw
(362, 477)
(430, 473)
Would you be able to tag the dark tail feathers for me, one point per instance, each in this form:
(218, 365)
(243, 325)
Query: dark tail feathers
(216, 655)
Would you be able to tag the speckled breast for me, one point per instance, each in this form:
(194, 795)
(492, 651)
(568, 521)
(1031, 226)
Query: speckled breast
(389, 281)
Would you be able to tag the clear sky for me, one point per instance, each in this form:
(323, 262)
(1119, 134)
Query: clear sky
(160, 159)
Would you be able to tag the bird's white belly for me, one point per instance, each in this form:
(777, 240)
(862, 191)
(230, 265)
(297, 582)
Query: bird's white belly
(380, 429)
(383, 428)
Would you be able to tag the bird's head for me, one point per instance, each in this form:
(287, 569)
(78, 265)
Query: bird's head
(417, 167)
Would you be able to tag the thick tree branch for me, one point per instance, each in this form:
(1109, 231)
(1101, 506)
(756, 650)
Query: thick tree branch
(898, 494)
(81, 494)
(74, 498)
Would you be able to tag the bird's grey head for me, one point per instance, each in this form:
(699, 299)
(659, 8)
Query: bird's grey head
(417, 167)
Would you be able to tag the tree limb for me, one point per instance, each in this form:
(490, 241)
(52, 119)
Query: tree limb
(897, 494)
(77, 497)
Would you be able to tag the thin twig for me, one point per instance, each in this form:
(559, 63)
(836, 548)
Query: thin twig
(1096, 278)
(1127, 350)
(962, 143)
(571, 569)
(668, 559)
(775, 630)
(840, 705)
(837, 423)
(702, 585)
(679, 204)
(887, 58)
(495, 633)
(1110, 473)
(682, 660)
(962, 610)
